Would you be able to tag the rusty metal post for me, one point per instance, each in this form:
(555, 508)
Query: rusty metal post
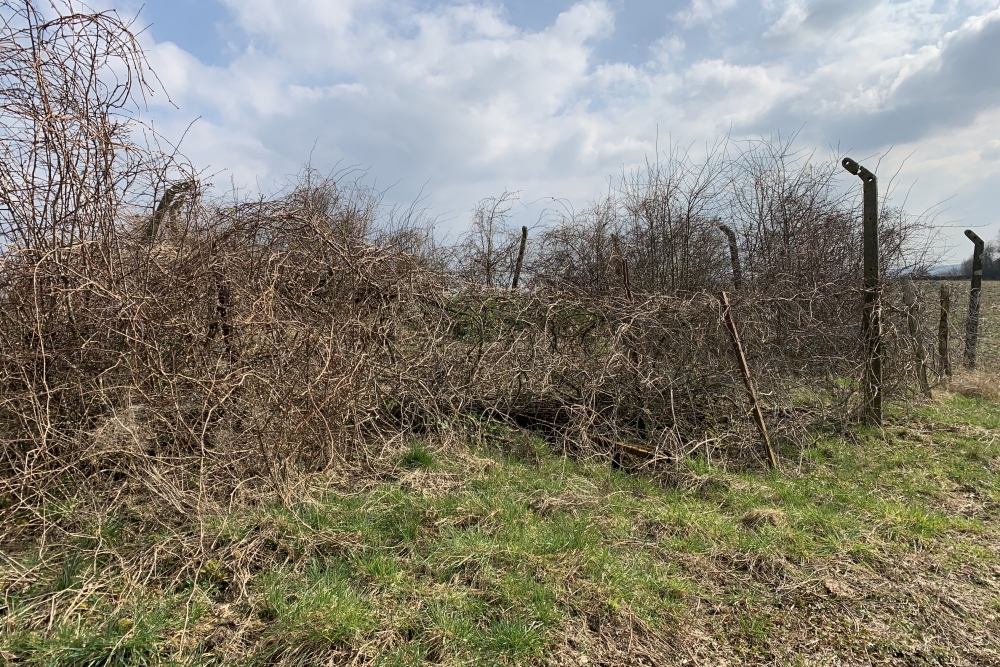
(871, 315)
(972, 320)
(734, 256)
(520, 258)
(633, 354)
(758, 416)
(943, 355)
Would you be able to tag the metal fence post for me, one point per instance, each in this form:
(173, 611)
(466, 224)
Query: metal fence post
(871, 316)
(913, 324)
(758, 415)
(734, 256)
(972, 320)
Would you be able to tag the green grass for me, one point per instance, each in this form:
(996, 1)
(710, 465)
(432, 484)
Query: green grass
(530, 546)
(115, 641)
(418, 457)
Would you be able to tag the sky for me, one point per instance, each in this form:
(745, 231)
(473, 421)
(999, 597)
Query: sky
(457, 101)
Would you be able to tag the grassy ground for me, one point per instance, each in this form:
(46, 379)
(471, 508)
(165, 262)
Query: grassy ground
(868, 548)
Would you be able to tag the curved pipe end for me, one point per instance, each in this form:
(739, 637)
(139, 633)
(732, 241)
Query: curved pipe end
(972, 236)
(856, 169)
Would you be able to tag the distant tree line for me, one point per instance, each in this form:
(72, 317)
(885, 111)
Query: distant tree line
(991, 262)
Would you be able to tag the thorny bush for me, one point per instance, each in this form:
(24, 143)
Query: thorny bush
(156, 339)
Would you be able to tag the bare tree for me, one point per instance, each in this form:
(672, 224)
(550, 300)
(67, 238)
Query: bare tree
(670, 230)
(794, 221)
(576, 249)
(487, 252)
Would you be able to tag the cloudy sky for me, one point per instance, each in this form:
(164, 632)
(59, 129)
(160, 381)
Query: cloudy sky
(552, 97)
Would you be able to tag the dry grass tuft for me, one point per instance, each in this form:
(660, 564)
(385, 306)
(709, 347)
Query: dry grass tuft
(568, 502)
(431, 483)
(839, 588)
(982, 385)
(758, 518)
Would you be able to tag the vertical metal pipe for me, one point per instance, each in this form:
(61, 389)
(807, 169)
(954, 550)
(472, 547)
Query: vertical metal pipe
(912, 305)
(871, 315)
(873, 308)
(622, 266)
(972, 320)
(625, 279)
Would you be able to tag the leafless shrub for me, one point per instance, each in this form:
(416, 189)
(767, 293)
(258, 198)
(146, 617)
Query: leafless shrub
(795, 226)
(196, 349)
(578, 251)
(670, 223)
(487, 253)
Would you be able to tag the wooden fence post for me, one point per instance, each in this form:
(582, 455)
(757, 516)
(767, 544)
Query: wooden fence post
(913, 324)
(871, 314)
(972, 320)
(943, 355)
(622, 266)
(520, 258)
(625, 279)
(758, 416)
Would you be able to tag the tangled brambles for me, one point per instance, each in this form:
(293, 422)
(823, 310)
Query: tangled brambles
(294, 430)
(199, 349)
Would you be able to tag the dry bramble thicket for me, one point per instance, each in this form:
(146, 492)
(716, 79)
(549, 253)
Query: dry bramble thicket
(198, 350)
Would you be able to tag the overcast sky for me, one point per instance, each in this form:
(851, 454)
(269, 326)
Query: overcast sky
(553, 97)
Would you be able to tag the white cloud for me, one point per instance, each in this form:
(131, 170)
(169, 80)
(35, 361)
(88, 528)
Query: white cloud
(808, 24)
(667, 49)
(701, 11)
(463, 88)
(458, 94)
(991, 151)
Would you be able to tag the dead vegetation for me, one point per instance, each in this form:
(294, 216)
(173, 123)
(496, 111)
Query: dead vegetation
(976, 384)
(166, 356)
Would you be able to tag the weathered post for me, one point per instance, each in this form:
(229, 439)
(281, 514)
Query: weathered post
(625, 279)
(622, 267)
(167, 207)
(871, 314)
(520, 258)
(913, 324)
(972, 320)
(734, 256)
(943, 332)
(758, 416)
(222, 318)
